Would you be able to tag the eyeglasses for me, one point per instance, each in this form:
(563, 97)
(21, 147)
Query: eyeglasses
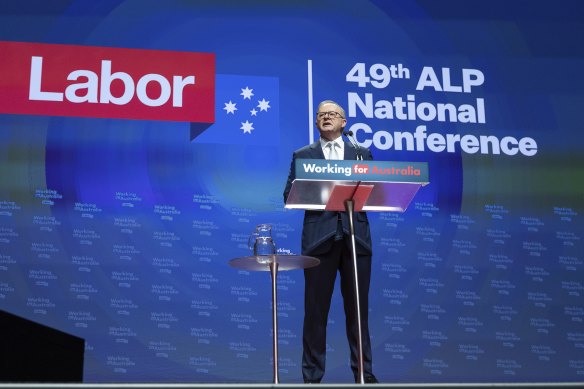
(330, 114)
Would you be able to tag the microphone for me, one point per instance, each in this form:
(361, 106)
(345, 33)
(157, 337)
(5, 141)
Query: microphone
(349, 135)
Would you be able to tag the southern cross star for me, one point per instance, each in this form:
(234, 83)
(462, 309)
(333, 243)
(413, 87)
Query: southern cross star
(246, 93)
(246, 127)
(263, 105)
(230, 107)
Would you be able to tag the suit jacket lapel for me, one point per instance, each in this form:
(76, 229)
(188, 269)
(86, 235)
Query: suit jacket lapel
(315, 151)
(350, 152)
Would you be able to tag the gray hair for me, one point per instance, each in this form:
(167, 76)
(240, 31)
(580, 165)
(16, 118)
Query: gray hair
(331, 102)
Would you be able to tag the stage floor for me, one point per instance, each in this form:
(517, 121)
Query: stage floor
(550, 385)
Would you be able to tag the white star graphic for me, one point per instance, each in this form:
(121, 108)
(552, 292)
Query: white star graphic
(246, 127)
(263, 105)
(230, 107)
(246, 93)
(253, 112)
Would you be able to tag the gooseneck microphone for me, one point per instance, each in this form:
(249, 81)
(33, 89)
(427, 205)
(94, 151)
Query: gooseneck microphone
(349, 135)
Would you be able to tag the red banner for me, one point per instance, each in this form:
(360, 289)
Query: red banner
(104, 82)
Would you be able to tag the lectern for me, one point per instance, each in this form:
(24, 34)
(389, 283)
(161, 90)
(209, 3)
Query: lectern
(354, 186)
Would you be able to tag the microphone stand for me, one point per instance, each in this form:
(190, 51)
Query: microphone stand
(350, 208)
(349, 135)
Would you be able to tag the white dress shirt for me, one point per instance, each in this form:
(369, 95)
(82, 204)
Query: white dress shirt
(339, 146)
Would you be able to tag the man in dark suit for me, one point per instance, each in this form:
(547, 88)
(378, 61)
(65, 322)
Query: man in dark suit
(325, 235)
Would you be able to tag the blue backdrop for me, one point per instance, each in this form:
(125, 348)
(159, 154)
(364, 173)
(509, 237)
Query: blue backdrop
(119, 231)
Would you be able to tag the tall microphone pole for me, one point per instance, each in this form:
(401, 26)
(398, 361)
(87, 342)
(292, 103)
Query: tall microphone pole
(350, 208)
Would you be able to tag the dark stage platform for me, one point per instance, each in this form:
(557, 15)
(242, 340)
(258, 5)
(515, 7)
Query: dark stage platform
(293, 386)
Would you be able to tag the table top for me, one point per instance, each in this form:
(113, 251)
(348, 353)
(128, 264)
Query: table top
(285, 262)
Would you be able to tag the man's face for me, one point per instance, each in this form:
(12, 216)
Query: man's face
(330, 127)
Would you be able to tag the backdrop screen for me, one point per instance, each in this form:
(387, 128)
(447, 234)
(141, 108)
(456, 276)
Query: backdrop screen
(142, 141)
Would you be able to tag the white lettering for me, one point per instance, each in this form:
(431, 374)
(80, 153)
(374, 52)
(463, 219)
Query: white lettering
(436, 142)
(428, 79)
(355, 101)
(411, 110)
(328, 169)
(448, 87)
(164, 90)
(470, 78)
(308, 168)
(383, 140)
(36, 75)
(494, 144)
(88, 87)
(505, 142)
(528, 146)
(361, 127)
(469, 144)
(106, 80)
(178, 84)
